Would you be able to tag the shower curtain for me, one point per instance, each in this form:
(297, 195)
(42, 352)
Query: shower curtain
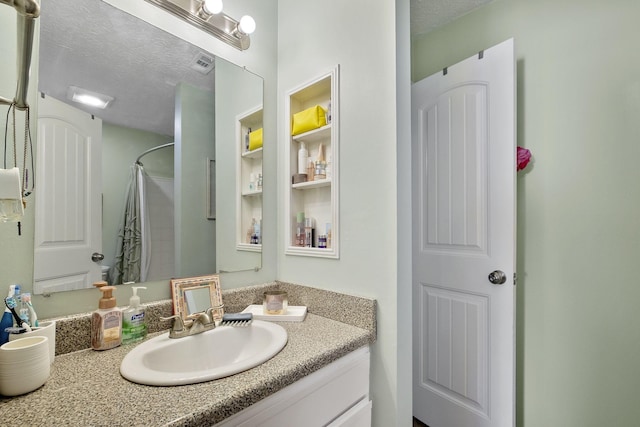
(133, 255)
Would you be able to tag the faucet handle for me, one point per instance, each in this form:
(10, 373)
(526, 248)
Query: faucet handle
(177, 326)
(202, 322)
(210, 311)
(204, 317)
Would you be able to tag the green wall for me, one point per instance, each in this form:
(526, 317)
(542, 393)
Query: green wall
(16, 252)
(194, 144)
(578, 67)
(237, 91)
(312, 40)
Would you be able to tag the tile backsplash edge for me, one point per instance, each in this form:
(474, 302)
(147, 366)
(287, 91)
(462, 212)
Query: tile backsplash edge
(73, 332)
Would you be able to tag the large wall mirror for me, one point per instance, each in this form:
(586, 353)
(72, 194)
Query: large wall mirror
(166, 93)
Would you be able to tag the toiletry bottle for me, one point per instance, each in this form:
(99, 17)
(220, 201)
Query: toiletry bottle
(309, 233)
(252, 232)
(328, 232)
(134, 325)
(256, 232)
(303, 158)
(299, 229)
(311, 171)
(252, 182)
(106, 322)
(7, 319)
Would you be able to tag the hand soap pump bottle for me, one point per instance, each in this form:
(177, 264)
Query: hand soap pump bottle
(106, 322)
(134, 325)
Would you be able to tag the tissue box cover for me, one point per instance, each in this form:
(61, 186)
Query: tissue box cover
(309, 119)
(255, 139)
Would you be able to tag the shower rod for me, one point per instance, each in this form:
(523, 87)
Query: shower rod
(151, 150)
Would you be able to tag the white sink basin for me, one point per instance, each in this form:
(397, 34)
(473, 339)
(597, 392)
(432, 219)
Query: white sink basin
(220, 352)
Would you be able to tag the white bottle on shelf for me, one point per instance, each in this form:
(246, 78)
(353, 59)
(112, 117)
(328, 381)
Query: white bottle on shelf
(303, 158)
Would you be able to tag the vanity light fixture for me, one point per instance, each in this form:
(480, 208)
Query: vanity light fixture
(87, 97)
(208, 16)
(208, 8)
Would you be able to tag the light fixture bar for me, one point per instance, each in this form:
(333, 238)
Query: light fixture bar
(219, 25)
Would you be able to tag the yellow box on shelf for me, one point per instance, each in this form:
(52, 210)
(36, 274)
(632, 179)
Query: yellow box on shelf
(255, 139)
(309, 119)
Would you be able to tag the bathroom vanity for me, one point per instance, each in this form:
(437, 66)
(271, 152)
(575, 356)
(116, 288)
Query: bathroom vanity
(321, 377)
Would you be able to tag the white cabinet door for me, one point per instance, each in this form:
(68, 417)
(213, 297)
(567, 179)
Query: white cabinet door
(336, 395)
(358, 416)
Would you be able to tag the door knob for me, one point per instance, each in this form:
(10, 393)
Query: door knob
(95, 257)
(497, 277)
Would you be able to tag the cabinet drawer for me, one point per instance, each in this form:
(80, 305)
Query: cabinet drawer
(317, 400)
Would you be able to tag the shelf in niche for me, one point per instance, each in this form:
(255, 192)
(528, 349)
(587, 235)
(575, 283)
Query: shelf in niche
(314, 135)
(312, 184)
(313, 252)
(252, 193)
(254, 154)
(249, 247)
(316, 199)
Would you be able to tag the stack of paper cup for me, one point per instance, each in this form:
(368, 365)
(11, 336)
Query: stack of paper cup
(46, 329)
(24, 365)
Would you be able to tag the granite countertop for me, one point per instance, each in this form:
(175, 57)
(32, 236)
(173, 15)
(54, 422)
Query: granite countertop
(85, 387)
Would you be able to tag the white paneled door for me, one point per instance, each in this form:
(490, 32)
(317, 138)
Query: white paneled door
(463, 132)
(68, 198)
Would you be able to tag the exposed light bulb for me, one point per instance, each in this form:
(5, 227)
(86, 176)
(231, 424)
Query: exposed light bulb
(212, 7)
(247, 25)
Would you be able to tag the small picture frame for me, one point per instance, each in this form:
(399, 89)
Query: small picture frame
(194, 295)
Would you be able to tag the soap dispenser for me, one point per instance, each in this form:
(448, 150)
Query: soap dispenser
(134, 325)
(106, 322)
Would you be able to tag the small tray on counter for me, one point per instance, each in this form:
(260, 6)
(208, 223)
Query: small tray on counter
(295, 313)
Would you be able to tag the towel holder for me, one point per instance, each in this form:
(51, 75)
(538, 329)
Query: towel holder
(28, 11)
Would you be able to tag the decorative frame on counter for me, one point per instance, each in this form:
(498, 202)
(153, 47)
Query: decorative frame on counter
(193, 295)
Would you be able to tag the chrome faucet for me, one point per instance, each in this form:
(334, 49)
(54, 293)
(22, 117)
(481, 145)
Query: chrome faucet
(201, 323)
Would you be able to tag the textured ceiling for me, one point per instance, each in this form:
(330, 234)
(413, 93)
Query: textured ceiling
(92, 45)
(427, 15)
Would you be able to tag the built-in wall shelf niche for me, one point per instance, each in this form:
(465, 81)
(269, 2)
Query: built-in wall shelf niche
(313, 194)
(249, 181)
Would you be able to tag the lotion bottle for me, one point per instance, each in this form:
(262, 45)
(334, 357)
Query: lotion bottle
(106, 322)
(134, 325)
(303, 158)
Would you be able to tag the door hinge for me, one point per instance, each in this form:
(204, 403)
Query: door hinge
(515, 279)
